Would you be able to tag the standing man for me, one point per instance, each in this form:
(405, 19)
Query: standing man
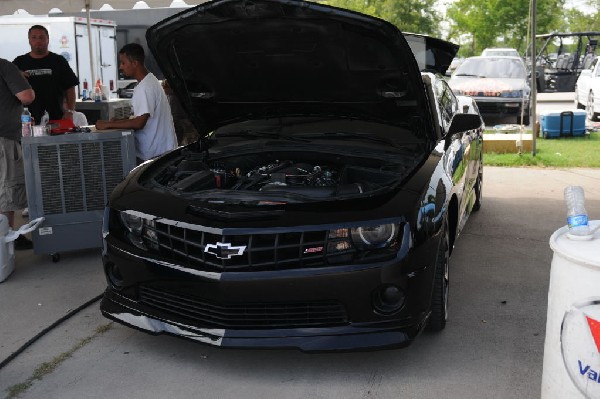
(50, 76)
(152, 120)
(15, 92)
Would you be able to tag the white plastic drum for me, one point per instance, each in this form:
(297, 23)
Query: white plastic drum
(572, 346)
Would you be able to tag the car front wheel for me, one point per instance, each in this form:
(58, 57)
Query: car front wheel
(478, 189)
(439, 299)
(578, 105)
(525, 120)
(589, 110)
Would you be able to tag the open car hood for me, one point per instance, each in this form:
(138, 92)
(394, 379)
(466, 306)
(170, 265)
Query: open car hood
(432, 54)
(233, 60)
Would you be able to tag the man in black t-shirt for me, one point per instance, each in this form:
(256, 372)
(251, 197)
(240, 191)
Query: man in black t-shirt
(50, 76)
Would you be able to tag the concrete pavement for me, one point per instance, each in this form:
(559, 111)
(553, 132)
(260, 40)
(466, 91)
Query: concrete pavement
(492, 346)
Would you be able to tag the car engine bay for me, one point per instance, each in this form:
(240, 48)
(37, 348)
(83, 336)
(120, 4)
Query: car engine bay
(289, 173)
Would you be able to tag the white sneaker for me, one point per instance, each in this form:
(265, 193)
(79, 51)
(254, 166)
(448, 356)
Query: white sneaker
(25, 212)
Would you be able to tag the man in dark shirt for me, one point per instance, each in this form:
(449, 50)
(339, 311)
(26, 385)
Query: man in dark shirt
(14, 93)
(50, 76)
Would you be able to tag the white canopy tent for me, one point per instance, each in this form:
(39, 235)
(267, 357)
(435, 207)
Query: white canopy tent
(38, 7)
(43, 7)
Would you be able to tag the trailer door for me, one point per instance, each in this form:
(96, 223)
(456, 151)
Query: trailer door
(84, 64)
(108, 56)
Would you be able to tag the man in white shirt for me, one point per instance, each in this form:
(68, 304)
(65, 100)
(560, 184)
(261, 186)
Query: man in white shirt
(152, 120)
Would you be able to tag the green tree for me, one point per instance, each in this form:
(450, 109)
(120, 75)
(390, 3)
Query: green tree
(578, 21)
(418, 16)
(499, 23)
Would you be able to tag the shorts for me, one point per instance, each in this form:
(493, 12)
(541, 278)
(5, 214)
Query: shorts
(13, 195)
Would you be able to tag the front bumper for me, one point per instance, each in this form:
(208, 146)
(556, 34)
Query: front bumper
(496, 106)
(305, 339)
(205, 307)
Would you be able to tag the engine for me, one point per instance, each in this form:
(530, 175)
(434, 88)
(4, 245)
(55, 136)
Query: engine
(286, 173)
(276, 175)
(303, 178)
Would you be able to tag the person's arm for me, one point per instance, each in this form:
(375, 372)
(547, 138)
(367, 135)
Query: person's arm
(18, 84)
(70, 100)
(26, 96)
(136, 123)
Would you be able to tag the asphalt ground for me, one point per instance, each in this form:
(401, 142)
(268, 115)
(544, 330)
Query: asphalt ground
(492, 346)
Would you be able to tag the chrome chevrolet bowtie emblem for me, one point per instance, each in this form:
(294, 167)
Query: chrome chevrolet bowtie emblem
(224, 250)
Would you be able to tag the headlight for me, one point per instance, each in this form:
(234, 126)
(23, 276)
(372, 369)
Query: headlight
(512, 94)
(364, 237)
(132, 223)
(374, 236)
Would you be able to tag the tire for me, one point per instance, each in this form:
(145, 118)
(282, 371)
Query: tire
(439, 296)
(589, 109)
(525, 119)
(578, 105)
(478, 189)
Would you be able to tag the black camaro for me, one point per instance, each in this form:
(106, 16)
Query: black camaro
(321, 206)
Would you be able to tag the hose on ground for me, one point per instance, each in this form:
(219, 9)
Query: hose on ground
(67, 316)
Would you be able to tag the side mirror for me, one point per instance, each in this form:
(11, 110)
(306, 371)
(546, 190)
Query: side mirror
(464, 122)
(461, 123)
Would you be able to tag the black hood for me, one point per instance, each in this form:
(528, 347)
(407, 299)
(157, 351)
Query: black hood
(432, 54)
(234, 60)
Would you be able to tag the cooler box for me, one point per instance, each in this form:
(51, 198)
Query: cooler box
(566, 123)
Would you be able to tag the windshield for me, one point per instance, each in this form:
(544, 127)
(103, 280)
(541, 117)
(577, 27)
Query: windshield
(508, 53)
(492, 68)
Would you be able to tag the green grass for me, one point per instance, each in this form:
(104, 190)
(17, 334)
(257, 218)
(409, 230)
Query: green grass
(564, 152)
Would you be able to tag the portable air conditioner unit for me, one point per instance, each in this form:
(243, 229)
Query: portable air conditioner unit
(69, 179)
(116, 108)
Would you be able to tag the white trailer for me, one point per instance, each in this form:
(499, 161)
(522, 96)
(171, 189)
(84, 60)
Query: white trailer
(69, 38)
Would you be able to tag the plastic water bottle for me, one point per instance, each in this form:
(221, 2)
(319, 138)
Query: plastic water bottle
(26, 123)
(97, 95)
(577, 217)
(45, 119)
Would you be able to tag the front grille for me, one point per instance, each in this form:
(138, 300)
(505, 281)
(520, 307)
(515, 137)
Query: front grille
(203, 313)
(497, 108)
(273, 251)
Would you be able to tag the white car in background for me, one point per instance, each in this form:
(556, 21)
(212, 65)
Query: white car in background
(501, 51)
(587, 90)
(498, 84)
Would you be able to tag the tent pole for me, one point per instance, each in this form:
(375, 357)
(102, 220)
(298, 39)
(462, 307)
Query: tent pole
(533, 96)
(92, 61)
